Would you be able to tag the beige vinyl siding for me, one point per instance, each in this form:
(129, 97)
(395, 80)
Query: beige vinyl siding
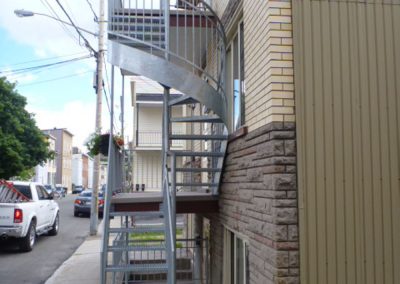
(269, 95)
(347, 77)
(147, 169)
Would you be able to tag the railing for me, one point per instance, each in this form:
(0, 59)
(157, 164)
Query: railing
(187, 33)
(154, 139)
(192, 263)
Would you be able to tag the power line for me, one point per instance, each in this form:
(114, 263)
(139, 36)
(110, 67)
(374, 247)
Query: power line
(87, 44)
(96, 19)
(39, 60)
(62, 25)
(54, 79)
(16, 71)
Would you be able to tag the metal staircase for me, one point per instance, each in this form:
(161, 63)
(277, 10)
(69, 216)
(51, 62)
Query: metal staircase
(181, 45)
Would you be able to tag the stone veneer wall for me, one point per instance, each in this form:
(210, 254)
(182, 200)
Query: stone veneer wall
(258, 199)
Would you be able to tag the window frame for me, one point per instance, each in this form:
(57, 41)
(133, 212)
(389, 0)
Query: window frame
(239, 55)
(230, 257)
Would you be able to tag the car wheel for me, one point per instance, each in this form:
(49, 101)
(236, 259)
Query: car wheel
(26, 243)
(55, 226)
(76, 214)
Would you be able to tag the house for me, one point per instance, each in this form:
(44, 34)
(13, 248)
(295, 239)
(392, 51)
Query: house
(80, 168)
(147, 137)
(307, 91)
(63, 146)
(45, 174)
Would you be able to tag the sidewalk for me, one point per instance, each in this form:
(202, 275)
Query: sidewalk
(83, 267)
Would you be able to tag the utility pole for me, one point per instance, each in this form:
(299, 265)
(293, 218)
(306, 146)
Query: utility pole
(94, 210)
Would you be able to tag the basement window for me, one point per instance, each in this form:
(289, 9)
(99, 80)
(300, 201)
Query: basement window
(236, 259)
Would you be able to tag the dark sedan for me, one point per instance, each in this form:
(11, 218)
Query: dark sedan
(83, 203)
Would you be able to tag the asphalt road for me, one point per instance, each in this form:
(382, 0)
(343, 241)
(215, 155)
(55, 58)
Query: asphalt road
(48, 254)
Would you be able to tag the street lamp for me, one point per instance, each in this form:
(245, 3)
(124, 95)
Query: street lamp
(99, 54)
(25, 13)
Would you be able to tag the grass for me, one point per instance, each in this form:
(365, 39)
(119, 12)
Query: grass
(152, 236)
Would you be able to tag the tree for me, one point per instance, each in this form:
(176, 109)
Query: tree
(22, 144)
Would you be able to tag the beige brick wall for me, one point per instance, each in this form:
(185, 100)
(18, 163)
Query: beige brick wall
(268, 62)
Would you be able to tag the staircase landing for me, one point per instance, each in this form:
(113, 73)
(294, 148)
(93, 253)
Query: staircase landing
(186, 202)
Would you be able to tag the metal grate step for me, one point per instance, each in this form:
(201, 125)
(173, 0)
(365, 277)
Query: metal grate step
(138, 230)
(197, 184)
(197, 137)
(197, 154)
(136, 248)
(207, 119)
(183, 100)
(157, 267)
(139, 214)
(196, 170)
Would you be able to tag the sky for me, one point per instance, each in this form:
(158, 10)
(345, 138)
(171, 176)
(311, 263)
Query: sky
(61, 96)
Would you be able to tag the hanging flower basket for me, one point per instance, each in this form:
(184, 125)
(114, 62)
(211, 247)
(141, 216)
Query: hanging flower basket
(99, 144)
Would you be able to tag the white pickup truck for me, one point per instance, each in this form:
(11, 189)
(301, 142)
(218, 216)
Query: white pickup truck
(26, 211)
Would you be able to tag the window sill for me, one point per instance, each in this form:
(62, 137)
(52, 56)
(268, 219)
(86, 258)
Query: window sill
(240, 132)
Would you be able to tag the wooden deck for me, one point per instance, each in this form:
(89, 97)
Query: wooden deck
(186, 202)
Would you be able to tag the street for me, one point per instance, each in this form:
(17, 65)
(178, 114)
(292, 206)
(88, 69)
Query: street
(49, 252)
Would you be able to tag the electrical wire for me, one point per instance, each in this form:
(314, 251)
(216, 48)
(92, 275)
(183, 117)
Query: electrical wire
(87, 44)
(27, 69)
(54, 79)
(39, 60)
(62, 25)
(108, 86)
(96, 19)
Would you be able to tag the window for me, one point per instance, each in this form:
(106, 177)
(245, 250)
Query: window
(235, 78)
(236, 259)
(39, 193)
(24, 189)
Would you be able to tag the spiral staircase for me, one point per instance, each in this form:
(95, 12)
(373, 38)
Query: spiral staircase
(180, 44)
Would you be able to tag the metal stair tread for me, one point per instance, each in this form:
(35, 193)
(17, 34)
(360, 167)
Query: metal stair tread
(197, 184)
(136, 248)
(205, 118)
(156, 267)
(197, 137)
(183, 100)
(197, 170)
(197, 154)
(137, 230)
(128, 213)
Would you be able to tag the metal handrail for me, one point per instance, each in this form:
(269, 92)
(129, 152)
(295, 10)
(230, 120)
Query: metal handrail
(203, 11)
(169, 207)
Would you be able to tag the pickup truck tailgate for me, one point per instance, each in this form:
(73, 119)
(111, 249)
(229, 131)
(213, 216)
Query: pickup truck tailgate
(6, 214)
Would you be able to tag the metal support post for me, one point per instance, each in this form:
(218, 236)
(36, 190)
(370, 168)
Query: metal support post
(198, 234)
(110, 186)
(172, 268)
(94, 210)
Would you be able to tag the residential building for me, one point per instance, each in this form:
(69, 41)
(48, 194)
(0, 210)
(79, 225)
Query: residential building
(308, 190)
(45, 174)
(63, 146)
(80, 168)
(147, 137)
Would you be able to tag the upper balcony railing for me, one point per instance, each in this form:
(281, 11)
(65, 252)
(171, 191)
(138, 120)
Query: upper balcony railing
(185, 32)
(153, 139)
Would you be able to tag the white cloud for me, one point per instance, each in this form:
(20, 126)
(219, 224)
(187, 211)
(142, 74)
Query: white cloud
(76, 116)
(45, 35)
(40, 52)
(20, 78)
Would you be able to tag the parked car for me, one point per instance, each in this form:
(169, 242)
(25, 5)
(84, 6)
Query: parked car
(27, 211)
(61, 190)
(78, 189)
(49, 188)
(83, 202)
